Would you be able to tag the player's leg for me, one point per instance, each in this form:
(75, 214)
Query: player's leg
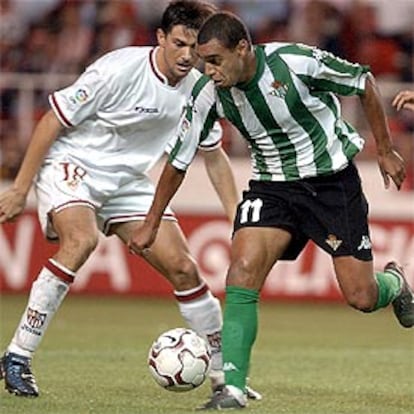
(200, 309)
(368, 291)
(357, 283)
(77, 232)
(337, 220)
(254, 252)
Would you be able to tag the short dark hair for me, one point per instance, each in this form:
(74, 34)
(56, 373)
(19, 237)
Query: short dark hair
(188, 13)
(226, 27)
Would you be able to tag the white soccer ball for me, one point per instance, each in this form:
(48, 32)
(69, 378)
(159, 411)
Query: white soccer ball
(179, 360)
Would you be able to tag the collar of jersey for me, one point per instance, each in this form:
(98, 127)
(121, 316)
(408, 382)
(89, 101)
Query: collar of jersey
(154, 67)
(260, 65)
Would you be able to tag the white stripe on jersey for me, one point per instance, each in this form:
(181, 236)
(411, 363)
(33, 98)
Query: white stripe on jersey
(285, 120)
(299, 63)
(252, 123)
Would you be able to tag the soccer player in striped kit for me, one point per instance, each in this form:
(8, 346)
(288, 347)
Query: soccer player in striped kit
(89, 157)
(304, 186)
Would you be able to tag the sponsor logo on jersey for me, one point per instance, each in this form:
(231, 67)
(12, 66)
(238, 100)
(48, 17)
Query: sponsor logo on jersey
(333, 242)
(143, 110)
(279, 89)
(365, 243)
(35, 319)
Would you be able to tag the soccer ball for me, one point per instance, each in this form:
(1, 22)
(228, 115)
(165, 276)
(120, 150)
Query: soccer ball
(179, 360)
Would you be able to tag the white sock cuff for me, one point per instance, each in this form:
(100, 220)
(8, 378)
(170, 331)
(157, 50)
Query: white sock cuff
(192, 294)
(60, 271)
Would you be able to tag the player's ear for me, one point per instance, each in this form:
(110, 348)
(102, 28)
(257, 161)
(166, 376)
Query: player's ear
(243, 47)
(161, 36)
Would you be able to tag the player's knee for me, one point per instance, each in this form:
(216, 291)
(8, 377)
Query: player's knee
(81, 245)
(362, 300)
(241, 274)
(183, 274)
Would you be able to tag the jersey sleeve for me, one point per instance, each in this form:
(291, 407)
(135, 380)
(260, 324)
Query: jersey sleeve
(322, 71)
(198, 127)
(213, 140)
(82, 99)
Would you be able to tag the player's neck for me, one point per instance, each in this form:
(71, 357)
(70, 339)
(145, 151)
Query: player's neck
(250, 66)
(163, 70)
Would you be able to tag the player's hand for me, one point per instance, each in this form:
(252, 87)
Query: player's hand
(142, 239)
(404, 100)
(12, 203)
(392, 166)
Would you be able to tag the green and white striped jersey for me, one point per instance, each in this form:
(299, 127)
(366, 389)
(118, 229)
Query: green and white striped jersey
(288, 113)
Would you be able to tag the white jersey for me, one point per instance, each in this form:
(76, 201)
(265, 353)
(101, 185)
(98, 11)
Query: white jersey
(119, 116)
(120, 113)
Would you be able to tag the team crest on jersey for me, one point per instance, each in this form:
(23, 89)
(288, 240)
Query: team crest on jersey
(279, 89)
(333, 242)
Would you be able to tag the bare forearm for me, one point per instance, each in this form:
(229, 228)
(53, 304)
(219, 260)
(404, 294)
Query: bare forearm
(168, 184)
(222, 178)
(43, 136)
(390, 162)
(375, 115)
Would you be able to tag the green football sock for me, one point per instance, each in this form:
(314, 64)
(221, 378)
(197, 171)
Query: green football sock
(389, 287)
(239, 333)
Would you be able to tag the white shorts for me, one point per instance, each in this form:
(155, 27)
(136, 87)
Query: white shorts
(116, 197)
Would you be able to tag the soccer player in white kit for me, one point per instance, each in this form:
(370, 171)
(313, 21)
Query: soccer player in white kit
(89, 156)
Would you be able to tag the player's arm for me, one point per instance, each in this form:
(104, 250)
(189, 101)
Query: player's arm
(390, 162)
(13, 200)
(221, 175)
(194, 127)
(168, 184)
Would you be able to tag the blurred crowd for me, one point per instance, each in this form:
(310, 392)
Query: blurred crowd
(63, 36)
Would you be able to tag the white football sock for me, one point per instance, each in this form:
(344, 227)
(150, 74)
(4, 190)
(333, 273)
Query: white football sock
(203, 315)
(46, 295)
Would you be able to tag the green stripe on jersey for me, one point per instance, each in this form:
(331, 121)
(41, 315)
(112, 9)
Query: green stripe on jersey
(175, 150)
(330, 86)
(301, 114)
(197, 88)
(208, 123)
(286, 149)
(233, 115)
(348, 147)
(331, 61)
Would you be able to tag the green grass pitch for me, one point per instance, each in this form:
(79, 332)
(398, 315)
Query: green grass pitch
(308, 359)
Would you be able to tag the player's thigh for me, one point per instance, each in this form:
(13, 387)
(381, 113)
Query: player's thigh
(356, 280)
(169, 253)
(75, 223)
(254, 251)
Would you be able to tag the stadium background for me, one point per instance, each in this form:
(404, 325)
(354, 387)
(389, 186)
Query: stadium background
(45, 44)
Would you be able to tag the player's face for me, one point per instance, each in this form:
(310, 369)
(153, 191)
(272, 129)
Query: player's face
(226, 67)
(177, 54)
